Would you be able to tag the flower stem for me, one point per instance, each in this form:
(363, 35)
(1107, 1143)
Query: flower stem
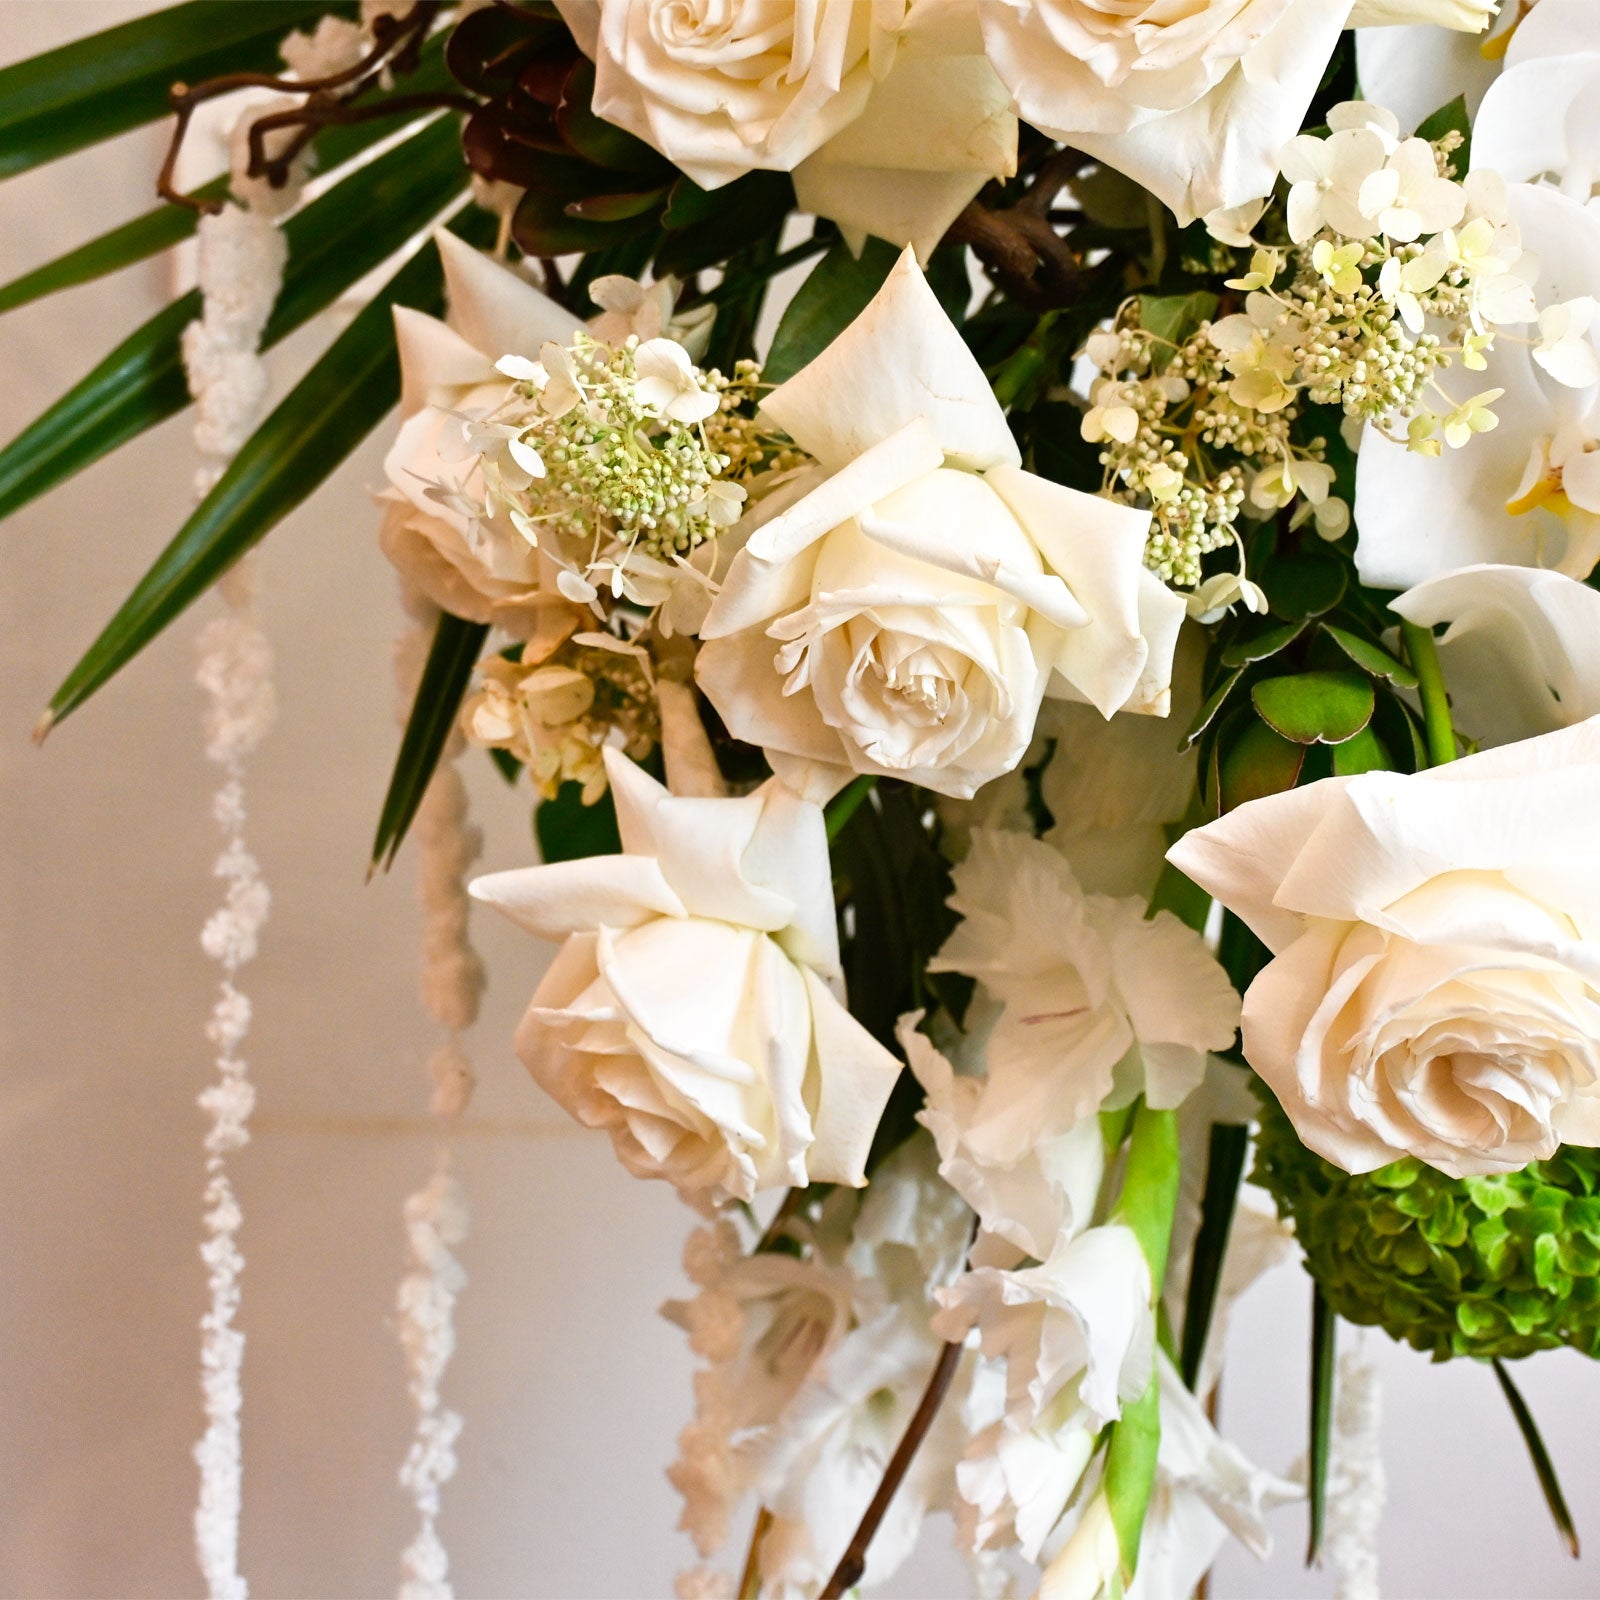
(750, 1578)
(1435, 702)
(854, 1560)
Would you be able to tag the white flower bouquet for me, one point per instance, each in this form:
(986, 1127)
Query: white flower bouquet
(1034, 562)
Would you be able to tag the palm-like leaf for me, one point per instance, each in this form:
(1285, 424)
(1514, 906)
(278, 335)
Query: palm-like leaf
(96, 88)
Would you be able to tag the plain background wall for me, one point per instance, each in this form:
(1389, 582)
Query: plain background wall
(571, 1387)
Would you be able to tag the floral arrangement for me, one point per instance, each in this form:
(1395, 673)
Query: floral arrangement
(1035, 565)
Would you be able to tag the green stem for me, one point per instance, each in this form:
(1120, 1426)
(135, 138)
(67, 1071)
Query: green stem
(1424, 656)
(847, 802)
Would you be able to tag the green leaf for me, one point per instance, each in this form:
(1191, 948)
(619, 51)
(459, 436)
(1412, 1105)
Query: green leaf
(1543, 1466)
(456, 647)
(316, 426)
(338, 238)
(1304, 585)
(1371, 658)
(1182, 896)
(1207, 713)
(845, 804)
(1315, 707)
(1224, 1169)
(1365, 752)
(1174, 317)
(1258, 763)
(107, 83)
(746, 210)
(1131, 1472)
(568, 830)
(837, 291)
(1451, 118)
(1324, 1338)
(615, 207)
(1259, 646)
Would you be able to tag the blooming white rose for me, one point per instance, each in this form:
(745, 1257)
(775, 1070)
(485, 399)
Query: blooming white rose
(902, 608)
(1526, 494)
(1193, 101)
(888, 113)
(480, 568)
(1435, 987)
(1522, 650)
(1099, 1003)
(693, 1010)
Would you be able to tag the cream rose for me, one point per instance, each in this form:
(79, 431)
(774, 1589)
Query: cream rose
(693, 1010)
(1193, 101)
(1435, 987)
(902, 608)
(886, 111)
(480, 569)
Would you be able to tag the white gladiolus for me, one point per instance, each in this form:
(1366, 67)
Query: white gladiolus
(1099, 1003)
(889, 116)
(1464, 16)
(693, 1009)
(1435, 987)
(902, 608)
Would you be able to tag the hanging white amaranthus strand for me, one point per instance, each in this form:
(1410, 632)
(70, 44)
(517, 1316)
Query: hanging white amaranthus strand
(447, 845)
(241, 268)
(1356, 1482)
(241, 262)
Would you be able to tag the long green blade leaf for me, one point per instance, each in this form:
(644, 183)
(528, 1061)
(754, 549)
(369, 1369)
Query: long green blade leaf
(1542, 1464)
(322, 419)
(336, 240)
(98, 87)
(1324, 1335)
(443, 685)
(1224, 1169)
(165, 226)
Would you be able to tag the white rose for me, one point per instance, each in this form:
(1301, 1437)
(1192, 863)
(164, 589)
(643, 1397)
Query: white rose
(693, 1009)
(1435, 990)
(1194, 101)
(888, 114)
(480, 569)
(902, 608)
(1522, 650)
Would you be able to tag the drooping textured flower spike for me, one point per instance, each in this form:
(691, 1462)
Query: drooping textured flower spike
(694, 1009)
(902, 608)
(1435, 987)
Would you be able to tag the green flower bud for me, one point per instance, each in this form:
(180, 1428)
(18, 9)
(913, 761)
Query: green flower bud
(1486, 1267)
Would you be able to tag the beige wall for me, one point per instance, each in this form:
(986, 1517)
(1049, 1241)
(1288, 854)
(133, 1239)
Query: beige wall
(571, 1387)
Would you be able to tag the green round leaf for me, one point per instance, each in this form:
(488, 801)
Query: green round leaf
(1261, 645)
(1305, 585)
(1316, 707)
(1364, 753)
(1260, 762)
(1371, 658)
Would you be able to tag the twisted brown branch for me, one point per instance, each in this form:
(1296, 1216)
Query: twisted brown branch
(397, 44)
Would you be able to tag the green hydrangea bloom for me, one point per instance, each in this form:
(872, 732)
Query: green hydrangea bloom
(1487, 1267)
